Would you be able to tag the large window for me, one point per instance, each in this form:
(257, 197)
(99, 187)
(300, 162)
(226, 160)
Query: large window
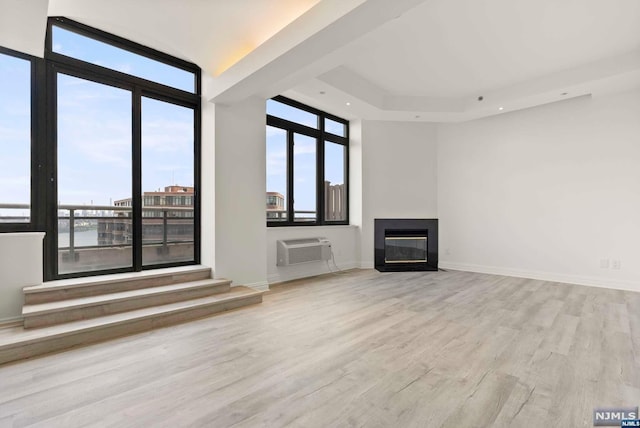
(307, 165)
(122, 150)
(16, 72)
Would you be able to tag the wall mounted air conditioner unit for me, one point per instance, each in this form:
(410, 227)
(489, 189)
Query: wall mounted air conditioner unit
(294, 251)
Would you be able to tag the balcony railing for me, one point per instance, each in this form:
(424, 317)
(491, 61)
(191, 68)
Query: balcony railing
(281, 215)
(5, 218)
(167, 235)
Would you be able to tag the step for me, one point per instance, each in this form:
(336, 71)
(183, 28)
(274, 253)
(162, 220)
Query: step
(104, 284)
(18, 343)
(45, 314)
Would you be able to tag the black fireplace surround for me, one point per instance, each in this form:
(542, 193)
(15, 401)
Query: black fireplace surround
(403, 244)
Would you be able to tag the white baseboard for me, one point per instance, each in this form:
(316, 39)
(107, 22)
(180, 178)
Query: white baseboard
(260, 286)
(11, 321)
(366, 265)
(590, 281)
(289, 273)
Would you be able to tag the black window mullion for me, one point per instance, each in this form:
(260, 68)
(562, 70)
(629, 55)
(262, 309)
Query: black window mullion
(336, 139)
(320, 196)
(116, 76)
(38, 142)
(195, 198)
(50, 154)
(136, 191)
(290, 167)
(278, 122)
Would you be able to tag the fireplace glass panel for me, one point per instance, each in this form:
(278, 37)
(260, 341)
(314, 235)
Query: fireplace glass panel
(405, 249)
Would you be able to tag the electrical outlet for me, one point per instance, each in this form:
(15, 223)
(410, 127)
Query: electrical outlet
(447, 251)
(615, 264)
(604, 263)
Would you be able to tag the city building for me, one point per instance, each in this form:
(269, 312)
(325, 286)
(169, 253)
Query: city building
(167, 218)
(275, 205)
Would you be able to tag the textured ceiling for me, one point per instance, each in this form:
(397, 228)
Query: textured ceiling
(446, 48)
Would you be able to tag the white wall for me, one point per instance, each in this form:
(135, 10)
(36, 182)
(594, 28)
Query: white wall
(207, 176)
(20, 266)
(355, 183)
(399, 175)
(240, 168)
(545, 192)
(344, 243)
(23, 25)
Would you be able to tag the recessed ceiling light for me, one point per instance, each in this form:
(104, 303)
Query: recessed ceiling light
(322, 92)
(564, 93)
(417, 116)
(348, 103)
(500, 108)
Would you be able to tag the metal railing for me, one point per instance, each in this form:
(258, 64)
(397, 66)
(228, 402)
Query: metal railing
(14, 218)
(121, 213)
(281, 215)
(113, 213)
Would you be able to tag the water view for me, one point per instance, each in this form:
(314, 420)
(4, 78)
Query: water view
(83, 238)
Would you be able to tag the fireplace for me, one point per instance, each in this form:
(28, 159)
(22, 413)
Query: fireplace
(406, 245)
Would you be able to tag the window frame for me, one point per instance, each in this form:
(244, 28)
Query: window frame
(140, 88)
(36, 215)
(321, 136)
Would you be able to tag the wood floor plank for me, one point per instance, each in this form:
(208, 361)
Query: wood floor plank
(414, 349)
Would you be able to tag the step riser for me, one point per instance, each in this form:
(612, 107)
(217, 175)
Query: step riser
(75, 314)
(113, 287)
(50, 345)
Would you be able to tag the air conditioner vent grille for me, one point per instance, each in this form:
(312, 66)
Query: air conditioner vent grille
(295, 251)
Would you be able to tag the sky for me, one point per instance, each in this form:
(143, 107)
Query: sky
(94, 143)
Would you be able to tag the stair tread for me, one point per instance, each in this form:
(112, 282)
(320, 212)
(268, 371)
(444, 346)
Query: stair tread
(79, 302)
(113, 278)
(19, 336)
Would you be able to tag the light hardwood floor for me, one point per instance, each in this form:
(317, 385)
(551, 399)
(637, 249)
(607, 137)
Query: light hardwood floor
(429, 349)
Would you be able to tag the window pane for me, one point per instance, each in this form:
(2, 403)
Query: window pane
(167, 181)
(293, 114)
(335, 189)
(77, 46)
(15, 139)
(333, 127)
(304, 178)
(276, 174)
(94, 176)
